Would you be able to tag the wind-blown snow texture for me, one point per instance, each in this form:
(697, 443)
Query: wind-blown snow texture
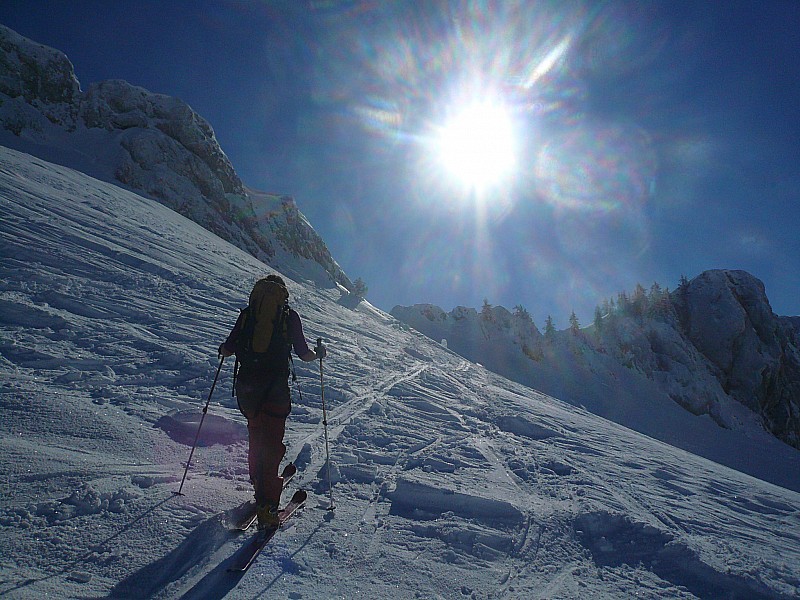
(450, 481)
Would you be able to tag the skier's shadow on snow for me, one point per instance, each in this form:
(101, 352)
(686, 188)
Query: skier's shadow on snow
(218, 582)
(196, 549)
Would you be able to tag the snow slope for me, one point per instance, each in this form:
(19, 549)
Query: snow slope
(615, 384)
(450, 481)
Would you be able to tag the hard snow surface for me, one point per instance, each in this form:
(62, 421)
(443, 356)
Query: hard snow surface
(450, 482)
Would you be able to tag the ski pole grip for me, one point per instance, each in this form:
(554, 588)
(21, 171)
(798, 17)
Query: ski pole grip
(320, 350)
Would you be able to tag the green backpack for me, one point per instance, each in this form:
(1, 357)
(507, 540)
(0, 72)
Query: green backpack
(263, 346)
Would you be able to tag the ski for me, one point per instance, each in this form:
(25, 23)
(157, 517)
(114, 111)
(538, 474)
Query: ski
(249, 517)
(250, 551)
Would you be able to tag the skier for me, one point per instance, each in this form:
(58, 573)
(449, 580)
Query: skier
(262, 339)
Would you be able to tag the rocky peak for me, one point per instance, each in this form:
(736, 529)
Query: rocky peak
(755, 353)
(152, 143)
(727, 350)
(732, 324)
(117, 105)
(42, 77)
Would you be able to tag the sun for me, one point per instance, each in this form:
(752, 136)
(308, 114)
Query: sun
(476, 146)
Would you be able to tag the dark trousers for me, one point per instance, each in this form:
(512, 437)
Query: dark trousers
(264, 456)
(266, 402)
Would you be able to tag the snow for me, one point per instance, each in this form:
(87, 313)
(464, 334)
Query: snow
(657, 389)
(449, 481)
(151, 144)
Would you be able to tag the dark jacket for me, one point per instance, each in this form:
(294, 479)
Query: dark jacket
(294, 327)
(267, 391)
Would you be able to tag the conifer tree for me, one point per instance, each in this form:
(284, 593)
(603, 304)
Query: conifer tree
(655, 292)
(598, 320)
(681, 300)
(639, 300)
(359, 288)
(549, 328)
(524, 317)
(623, 303)
(486, 311)
(574, 325)
(522, 313)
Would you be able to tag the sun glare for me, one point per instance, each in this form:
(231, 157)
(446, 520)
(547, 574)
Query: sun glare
(477, 146)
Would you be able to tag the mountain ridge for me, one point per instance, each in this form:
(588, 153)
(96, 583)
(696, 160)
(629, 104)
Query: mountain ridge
(157, 145)
(152, 144)
(711, 343)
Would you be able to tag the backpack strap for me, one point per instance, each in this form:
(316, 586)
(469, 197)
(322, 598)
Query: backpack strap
(236, 362)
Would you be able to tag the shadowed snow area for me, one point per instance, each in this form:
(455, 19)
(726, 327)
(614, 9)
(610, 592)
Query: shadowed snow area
(449, 481)
(185, 427)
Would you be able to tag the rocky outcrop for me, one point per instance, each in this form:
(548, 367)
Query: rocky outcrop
(170, 153)
(149, 142)
(186, 147)
(297, 235)
(39, 76)
(754, 353)
(713, 346)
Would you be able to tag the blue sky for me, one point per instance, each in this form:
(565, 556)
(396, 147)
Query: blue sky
(653, 139)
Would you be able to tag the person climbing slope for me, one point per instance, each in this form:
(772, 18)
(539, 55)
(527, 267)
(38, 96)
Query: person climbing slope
(262, 339)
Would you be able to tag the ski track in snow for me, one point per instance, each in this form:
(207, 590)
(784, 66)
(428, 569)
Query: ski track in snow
(449, 481)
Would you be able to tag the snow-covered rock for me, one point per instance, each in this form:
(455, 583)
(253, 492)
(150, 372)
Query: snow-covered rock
(161, 134)
(472, 331)
(151, 143)
(755, 357)
(43, 78)
(714, 346)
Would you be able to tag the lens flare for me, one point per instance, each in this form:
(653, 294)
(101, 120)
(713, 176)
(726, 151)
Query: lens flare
(596, 167)
(477, 147)
(481, 127)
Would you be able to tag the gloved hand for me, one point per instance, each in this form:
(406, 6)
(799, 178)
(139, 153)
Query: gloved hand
(223, 351)
(321, 351)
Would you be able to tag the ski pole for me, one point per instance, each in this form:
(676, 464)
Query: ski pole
(197, 435)
(325, 423)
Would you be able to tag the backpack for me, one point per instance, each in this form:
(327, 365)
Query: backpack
(263, 346)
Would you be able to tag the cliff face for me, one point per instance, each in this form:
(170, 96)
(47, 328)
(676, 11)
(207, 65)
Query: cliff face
(38, 76)
(167, 151)
(753, 353)
(151, 143)
(713, 346)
